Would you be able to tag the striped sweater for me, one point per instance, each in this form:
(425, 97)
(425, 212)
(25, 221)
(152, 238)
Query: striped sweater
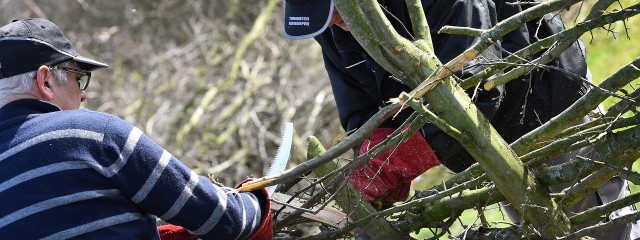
(89, 175)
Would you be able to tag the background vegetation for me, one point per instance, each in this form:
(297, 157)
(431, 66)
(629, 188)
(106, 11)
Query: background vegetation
(167, 57)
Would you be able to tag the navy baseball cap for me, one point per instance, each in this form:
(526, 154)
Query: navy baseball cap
(306, 18)
(27, 44)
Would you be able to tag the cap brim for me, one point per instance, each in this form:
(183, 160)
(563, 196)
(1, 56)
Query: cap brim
(88, 64)
(307, 21)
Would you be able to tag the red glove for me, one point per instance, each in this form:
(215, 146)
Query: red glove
(387, 178)
(173, 232)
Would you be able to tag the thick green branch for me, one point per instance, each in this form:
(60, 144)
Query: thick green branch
(419, 23)
(483, 142)
(421, 30)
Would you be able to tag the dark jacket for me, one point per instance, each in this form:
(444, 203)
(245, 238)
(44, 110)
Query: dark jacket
(361, 86)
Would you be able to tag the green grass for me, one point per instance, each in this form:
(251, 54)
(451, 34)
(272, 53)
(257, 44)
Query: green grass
(606, 53)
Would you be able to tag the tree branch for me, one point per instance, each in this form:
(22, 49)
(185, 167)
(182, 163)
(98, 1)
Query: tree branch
(578, 110)
(534, 48)
(563, 44)
(623, 150)
(487, 39)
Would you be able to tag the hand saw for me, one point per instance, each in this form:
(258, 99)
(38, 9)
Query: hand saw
(279, 163)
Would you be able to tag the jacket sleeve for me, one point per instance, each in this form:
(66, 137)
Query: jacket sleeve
(161, 185)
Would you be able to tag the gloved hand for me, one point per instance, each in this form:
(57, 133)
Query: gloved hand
(263, 232)
(387, 178)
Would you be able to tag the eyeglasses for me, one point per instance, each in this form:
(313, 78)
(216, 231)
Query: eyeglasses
(83, 76)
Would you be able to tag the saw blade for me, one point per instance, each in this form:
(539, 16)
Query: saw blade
(279, 163)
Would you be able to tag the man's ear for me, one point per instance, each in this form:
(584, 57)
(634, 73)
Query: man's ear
(44, 78)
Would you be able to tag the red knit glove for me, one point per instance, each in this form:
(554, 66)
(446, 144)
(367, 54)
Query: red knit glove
(387, 177)
(173, 232)
(265, 230)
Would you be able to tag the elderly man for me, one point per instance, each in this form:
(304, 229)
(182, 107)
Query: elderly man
(68, 172)
(361, 87)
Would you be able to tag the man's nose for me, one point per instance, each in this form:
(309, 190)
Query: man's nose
(83, 96)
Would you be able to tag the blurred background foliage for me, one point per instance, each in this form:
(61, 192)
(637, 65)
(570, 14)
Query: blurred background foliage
(166, 56)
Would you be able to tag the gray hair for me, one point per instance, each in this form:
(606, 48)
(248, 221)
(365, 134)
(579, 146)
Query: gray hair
(21, 83)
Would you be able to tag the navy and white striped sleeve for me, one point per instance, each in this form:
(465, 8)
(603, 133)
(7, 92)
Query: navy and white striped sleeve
(163, 186)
